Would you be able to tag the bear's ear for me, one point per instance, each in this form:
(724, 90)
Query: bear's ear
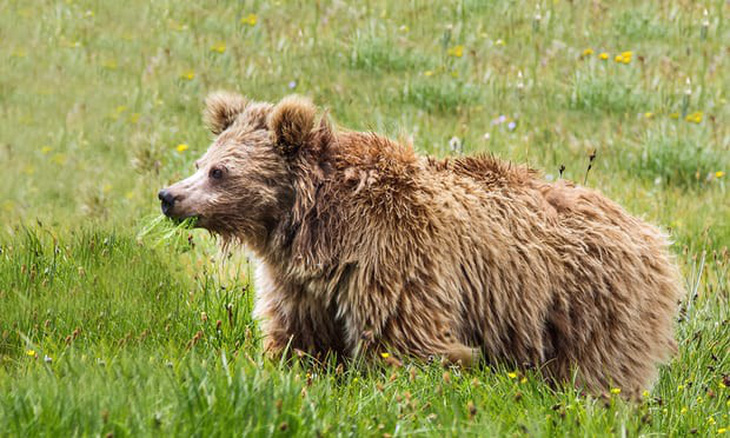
(221, 110)
(291, 121)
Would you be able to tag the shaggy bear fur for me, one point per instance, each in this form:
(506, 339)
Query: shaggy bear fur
(366, 247)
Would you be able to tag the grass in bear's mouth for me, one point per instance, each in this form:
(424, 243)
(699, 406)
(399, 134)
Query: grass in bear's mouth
(159, 230)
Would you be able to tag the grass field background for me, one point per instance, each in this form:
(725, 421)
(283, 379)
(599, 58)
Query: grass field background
(112, 323)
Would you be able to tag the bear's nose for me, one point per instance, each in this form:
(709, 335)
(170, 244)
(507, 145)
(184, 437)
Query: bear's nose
(167, 200)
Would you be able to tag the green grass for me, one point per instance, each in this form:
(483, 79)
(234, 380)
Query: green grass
(113, 322)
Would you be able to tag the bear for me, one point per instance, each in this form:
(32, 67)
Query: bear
(364, 247)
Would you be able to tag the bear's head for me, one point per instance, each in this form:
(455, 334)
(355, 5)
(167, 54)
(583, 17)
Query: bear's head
(244, 185)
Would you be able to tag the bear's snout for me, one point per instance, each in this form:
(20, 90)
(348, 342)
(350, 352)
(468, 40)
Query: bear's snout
(167, 201)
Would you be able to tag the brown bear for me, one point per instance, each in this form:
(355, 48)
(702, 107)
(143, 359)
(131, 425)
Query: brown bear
(365, 247)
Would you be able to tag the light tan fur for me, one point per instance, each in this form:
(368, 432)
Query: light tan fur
(365, 247)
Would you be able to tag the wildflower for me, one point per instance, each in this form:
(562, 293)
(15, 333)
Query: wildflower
(711, 420)
(588, 52)
(649, 115)
(182, 147)
(721, 430)
(512, 375)
(292, 85)
(385, 355)
(499, 120)
(603, 56)
(31, 353)
(683, 410)
(46, 149)
(456, 51)
(218, 47)
(524, 380)
(404, 29)
(695, 117)
(47, 359)
(249, 20)
(428, 73)
(615, 390)
(499, 43)
(456, 145)
(511, 126)
(680, 387)
(487, 136)
(189, 75)
(645, 394)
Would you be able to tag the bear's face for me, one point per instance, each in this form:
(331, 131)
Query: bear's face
(242, 186)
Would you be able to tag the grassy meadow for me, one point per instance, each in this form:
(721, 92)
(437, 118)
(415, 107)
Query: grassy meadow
(113, 323)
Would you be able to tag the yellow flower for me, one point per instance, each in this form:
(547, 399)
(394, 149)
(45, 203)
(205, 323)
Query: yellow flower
(46, 149)
(189, 75)
(31, 353)
(588, 52)
(711, 420)
(249, 19)
(683, 410)
(615, 390)
(218, 47)
(428, 73)
(456, 51)
(59, 159)
(649, 115)
(512, 375)
(618, 58)
(680, 387)
(628, 55)
(721, 430)
(385, 355)
(524, 380)
(182, 147)
(603, 56)
(695, 117)
(645, 393)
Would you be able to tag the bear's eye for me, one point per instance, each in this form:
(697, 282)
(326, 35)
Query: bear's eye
(216, 173)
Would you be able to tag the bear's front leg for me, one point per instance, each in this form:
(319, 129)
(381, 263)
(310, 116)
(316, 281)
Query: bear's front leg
(275, 336)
